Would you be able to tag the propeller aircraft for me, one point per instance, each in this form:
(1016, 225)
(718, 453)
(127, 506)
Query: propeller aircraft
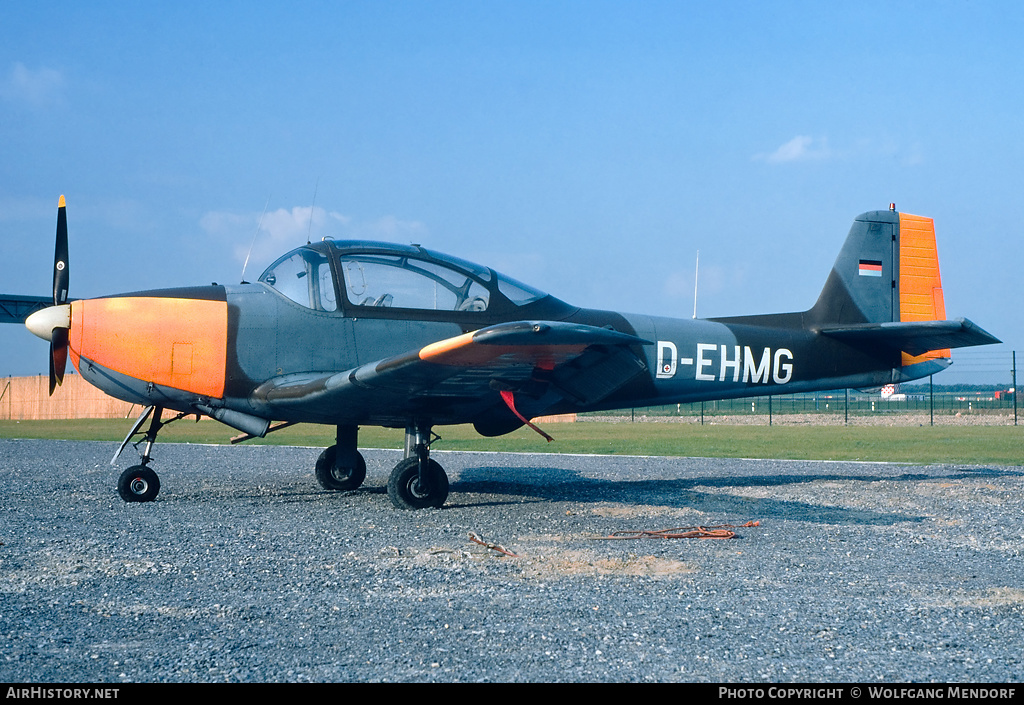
(351, 333)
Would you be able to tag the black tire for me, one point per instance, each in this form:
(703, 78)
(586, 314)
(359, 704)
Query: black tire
(403, 486)
(138, 484)
(332, 478)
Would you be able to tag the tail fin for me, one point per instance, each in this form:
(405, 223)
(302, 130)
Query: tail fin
(885, 290)
(862, 287)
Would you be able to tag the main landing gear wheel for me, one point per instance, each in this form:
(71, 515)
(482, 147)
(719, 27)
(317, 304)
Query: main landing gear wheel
(407, 492)
(331, 477)
(138, 484)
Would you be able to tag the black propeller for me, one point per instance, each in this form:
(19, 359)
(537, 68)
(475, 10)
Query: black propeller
(54, 322)
(60, 256)
(59, 336)
(58, 357)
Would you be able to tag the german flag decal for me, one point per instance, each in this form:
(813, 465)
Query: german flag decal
(871, 268)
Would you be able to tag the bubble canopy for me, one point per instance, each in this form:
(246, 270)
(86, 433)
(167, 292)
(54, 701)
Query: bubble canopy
(338, 275)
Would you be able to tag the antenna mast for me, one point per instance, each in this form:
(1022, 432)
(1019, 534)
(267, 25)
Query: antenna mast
(696, 271)
(311, 208)
(253, 243)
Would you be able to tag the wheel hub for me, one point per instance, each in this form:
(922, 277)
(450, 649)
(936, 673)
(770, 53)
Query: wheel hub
(419, 489)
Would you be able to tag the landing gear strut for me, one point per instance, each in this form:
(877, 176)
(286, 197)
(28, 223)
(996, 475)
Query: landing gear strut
(418, 482)
(139, 483)
(341, 467)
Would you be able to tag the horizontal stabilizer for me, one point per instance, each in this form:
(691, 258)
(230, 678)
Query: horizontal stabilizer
(914, 338)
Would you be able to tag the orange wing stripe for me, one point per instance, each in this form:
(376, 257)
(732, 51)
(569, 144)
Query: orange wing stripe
(441, 347)
(461, 351)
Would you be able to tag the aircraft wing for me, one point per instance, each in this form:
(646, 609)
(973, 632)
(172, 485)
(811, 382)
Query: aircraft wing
(914, 338)
(15, 309)
(544, 363)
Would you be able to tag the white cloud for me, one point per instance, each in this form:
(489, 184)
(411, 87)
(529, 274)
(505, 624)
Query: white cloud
(800, 148)
(285, 229)
(35, 87)
(271, 233)
(295, 226)
(804, 148)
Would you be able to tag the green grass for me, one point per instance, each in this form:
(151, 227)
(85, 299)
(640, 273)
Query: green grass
(999, 445)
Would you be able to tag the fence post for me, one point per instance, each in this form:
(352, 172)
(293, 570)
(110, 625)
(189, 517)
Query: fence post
(846, 408)
(931, 401)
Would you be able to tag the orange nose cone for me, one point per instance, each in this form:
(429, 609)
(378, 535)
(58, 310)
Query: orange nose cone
(178, 343)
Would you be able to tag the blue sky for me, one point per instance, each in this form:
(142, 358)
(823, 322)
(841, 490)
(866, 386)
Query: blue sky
(587, 148)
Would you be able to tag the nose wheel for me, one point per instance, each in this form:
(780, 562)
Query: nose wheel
(138, 484)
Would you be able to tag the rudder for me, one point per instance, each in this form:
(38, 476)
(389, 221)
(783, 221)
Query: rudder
(919, 283)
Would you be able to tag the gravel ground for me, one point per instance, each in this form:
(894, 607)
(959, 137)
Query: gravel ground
(245, 570)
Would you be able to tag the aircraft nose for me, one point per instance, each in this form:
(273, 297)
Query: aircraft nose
(42, 323)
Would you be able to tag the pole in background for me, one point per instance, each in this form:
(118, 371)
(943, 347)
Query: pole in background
(931, 401)
(1014, 387)
(696, 271)
(846, 410)
(769, 410)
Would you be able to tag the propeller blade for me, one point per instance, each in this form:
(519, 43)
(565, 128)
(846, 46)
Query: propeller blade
(51, 320)
(58, 357)
(60, 257)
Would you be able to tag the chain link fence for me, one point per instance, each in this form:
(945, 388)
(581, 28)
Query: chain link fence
(978, 389)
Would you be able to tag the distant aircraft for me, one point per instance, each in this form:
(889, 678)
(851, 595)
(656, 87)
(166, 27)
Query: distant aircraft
(368, 333)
